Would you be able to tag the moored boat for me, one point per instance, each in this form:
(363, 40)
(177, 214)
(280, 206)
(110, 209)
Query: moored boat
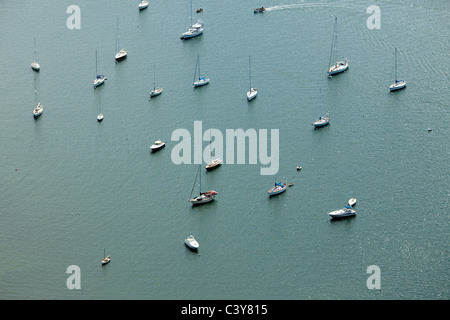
(106, 259)
(352, 202)
(100, 117)
(37, 111)
(345, 212)
(278, 188)
(142, 5)
(157, 145)
(191, 243)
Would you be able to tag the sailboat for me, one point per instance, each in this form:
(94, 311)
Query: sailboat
(324, 120)
(156, 91)
(203, 197)
(142, 5)
(106, 259)
(214, 163)
(279, 187)
(194, 30)
(201, 81)
(251, 94)
(336, 65)
(122, 54)
(34, 65)
(99, 79)
(37, 111)
(100, 116)
(398, 84)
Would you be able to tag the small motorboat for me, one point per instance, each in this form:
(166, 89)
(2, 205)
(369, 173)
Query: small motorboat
(100, 117)
(191, 243)
(142, 5)
(299, 168)
(157, 145)
(345, 212)
(252, 94)
(291, 184)
(37, 111)
(213, 164)
(199, 10)
(352, 202)
(259, 10)
(278, 188)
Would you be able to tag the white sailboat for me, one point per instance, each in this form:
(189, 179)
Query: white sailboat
(142, 5)
(251, 94)
(106, 259)
(336, 65)
(39, 109)
(100, 116)
(122, 54)
(99, 79)
(200, 81)
(323, 120)
(156, 91)
(398, 84)
(34, 65)
(194, 30)
(203, 197)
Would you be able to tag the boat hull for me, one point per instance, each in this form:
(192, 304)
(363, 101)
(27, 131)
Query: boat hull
(213, 165)
(338, 69)
(275, 190)
(35, 66)
(121, 56)
(157, 148)
(155, 92)
(201, 200)
(252, 94)
(201, 83)
(191, 34)
(342, 213)
(397, 86)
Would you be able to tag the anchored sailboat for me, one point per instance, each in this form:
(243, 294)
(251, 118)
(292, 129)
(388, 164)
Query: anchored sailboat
(201, 81)
(336, 65)
(37, 111)
(398, 84)
(324, 120)
(156, 91)
(99, 79)
(203, 197)
(122, 54)
(251, 94)
(194, 30)
(34, 65)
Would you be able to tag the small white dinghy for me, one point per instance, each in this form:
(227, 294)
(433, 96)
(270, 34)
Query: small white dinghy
(352, 202)
(100, 117)
(191, 243)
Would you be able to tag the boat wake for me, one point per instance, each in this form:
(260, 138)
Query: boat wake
(309, 5)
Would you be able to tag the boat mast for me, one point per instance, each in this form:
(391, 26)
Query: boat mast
(395, 65)
(333, 53)
(96, 72)
(250, 72)
(198, 58)
(154, 77)
(196, 65)
(192, 190)
(117, 36)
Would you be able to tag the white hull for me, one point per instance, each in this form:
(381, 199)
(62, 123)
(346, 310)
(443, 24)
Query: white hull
(157, 146)
(213, 164)
(191, 243)
(194, 31)
(322, 122)
(397, 86)
(201, 82)
(342, 213)
(338, 68)
(121, 55)
(156, 92)
(100, 117)
(35, 66)
(277, 190)
(252, 94)
(106, 260)
(38, 110)
(352, 202)
(142, 5)
(99, 82)
(201, 199)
